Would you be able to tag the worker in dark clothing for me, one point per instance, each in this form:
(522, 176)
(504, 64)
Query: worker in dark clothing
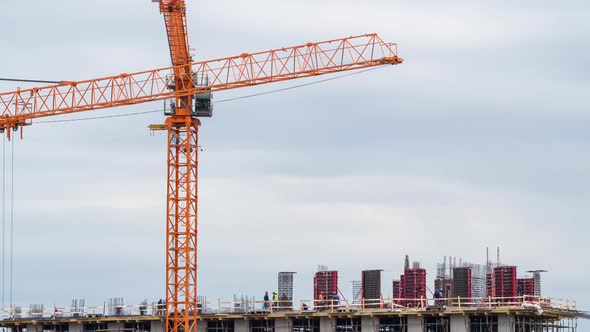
(160, 307)
(266, 300)
(437, 296)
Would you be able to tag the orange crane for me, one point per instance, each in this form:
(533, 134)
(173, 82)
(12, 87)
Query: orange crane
(190, 85)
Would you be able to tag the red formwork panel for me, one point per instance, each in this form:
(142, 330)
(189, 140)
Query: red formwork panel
(325, 283)
(414, 283)
(397, 291)
(402, 290)
(489, 285)
(504, 283)
(527, 286)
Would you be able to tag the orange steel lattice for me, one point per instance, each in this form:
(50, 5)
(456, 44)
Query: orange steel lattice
(189, 79)
(181, 233)
(181, 240)
(282, 64)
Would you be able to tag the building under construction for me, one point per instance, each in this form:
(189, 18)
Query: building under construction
(508, 304)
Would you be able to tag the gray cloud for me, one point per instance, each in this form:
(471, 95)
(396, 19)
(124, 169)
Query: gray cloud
(479, 139)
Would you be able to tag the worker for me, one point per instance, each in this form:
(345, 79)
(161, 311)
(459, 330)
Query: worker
(266, 300)
(304, 306)
(335, 301)
(160, 307)
(437, 296)
(275, 300)
(320, 302)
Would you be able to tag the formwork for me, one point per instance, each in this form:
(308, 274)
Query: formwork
(397, 290)
(462, 282)
(371, 288)
(504, 282)
(526, 286)
(402, 291)
(414, 287)
(489, 285)
(326, 284)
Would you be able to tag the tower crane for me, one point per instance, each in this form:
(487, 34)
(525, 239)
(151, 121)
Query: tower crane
(190, 86)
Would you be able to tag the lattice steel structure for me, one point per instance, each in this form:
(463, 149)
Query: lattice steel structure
(285, 289)
(356, 291)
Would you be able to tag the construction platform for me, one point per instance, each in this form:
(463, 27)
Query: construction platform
(431, 315)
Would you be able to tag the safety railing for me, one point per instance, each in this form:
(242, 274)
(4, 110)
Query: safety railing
(273, 307)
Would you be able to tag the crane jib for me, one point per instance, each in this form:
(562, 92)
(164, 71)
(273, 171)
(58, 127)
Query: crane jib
(247, 69)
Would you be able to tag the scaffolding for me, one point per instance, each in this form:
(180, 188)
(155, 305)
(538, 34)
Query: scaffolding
(285, 290)
(286, 285)
(478, 279)
(77, 308)
(537, 278)
(532, 323)
(115, 307)
(356, 291)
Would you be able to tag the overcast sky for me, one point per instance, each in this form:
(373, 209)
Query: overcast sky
(480, 138)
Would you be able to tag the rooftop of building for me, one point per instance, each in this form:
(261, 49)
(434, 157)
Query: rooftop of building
(548, 308)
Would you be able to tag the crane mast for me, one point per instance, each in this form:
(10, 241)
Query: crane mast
(190, 87)
(181, 211)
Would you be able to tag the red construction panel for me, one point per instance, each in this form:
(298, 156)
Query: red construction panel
(526, 286)
(397, 291)
(414, 283)
(504, 283)
(325, 283)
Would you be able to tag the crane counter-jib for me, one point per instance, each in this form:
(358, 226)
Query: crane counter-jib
(247, 69)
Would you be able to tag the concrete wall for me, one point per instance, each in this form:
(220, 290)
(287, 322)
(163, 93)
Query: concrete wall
(158, 326)
(326, 324)
(369, 324)
(459, 323)
(201, 326)
(34, 328)
(282, 325)
(113, 326)
(75, 327)
(415, 324)
(241, 325)
(505, 323)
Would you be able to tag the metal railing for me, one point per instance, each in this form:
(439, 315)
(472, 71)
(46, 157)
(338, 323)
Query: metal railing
(272, 307)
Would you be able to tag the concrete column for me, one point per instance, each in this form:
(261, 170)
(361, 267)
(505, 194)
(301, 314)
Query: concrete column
(114, 326)
(75, 327)
(34, 328)
(415, 324)
(326, 324)
(201, 326)
(158, 326)
(369, 324)
(241, 325)
(282, 325)
(505, 323)
(459, 323)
